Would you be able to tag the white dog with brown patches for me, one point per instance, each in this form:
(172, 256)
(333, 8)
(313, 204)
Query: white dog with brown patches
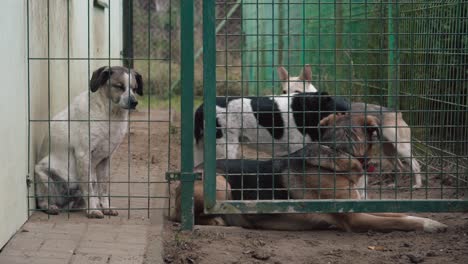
(74, 161)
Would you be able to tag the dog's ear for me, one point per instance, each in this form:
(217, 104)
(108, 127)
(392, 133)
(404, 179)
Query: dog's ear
(99, 78)
(283, 73)
(306, 74)
(372, 124)
(329, 120)
(139, 81)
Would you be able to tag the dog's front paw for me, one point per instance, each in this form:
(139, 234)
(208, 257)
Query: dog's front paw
(52, 210)
(110, 211)
(433, 226)
(417, 186)
(95, 214)
(217, 221)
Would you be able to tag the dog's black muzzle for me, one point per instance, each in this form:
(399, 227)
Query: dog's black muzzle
(133, 104)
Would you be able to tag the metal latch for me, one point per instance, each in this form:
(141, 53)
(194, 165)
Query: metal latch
(28, 181)
(183, 176)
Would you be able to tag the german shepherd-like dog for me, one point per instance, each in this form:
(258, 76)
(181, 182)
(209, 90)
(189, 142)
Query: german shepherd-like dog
(396, 134)
(331, 169)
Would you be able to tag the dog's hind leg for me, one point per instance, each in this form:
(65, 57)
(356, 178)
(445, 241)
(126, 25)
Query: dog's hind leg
(404, 149)
(45, 190)
(223, 190)
(361, 222)
(400, 144)
(47, 194)
(404, 153)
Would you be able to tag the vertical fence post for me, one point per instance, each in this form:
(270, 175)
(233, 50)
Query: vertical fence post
(127, 33)
(393, 58)
(209, 97)
(187, 82)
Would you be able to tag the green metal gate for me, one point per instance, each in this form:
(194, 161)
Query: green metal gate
(410, 55)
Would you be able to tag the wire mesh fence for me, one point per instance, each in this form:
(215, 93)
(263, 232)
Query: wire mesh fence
(405, 57)
(73, 128)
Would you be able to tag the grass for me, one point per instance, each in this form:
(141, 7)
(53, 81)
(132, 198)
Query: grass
(155, 102)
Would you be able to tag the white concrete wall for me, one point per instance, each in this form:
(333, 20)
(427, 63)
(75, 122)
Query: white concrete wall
(13, 113)
(80, 32)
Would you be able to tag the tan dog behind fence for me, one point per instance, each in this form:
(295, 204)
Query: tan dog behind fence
(334, 170)
(396, 133)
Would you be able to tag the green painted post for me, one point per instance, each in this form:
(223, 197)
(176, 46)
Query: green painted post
(393, 58)
(218, 28)
(127, 33)
(209, 97)
(187, 81)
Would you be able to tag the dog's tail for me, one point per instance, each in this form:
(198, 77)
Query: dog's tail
(244, 166)
(199, 122)
(198, 128)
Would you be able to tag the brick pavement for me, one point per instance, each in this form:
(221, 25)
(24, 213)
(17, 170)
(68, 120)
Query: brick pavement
(79, 240)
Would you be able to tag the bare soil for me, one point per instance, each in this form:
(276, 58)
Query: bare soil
(214, 244)
(211, 244)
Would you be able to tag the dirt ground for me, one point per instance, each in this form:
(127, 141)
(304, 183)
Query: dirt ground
(213, 244)
(210, 244)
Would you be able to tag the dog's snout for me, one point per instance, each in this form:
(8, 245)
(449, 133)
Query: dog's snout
(133, 104)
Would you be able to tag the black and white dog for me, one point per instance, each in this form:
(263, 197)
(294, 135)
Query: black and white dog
(275, 124)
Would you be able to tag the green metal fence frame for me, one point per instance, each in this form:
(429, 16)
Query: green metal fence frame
(212, 206)
(187, 81)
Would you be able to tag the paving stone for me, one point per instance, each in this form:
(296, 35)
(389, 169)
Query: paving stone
(69, 228)
(101, 248)
(37, 226)
(90, 259)
(131, 238)
(65, 241)
(104, 236)
(127, 260)
(25, 243)
(34, 254)
(59, 245)
(5, 259)
(49, 235)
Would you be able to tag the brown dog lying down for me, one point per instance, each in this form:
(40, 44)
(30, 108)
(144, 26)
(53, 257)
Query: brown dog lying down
(341, 166)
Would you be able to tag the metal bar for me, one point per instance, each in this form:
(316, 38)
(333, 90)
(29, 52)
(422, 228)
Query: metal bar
(48, 103)
(209, 96)
(127, 33)
(393, 58)
(187, 82)
(28, 177)
(109, 109)
(170, 110)
(334, 206)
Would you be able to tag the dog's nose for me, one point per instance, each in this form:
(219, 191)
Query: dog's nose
(133, 104)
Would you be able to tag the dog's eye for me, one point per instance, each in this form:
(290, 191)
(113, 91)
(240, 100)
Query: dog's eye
(119, 86)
